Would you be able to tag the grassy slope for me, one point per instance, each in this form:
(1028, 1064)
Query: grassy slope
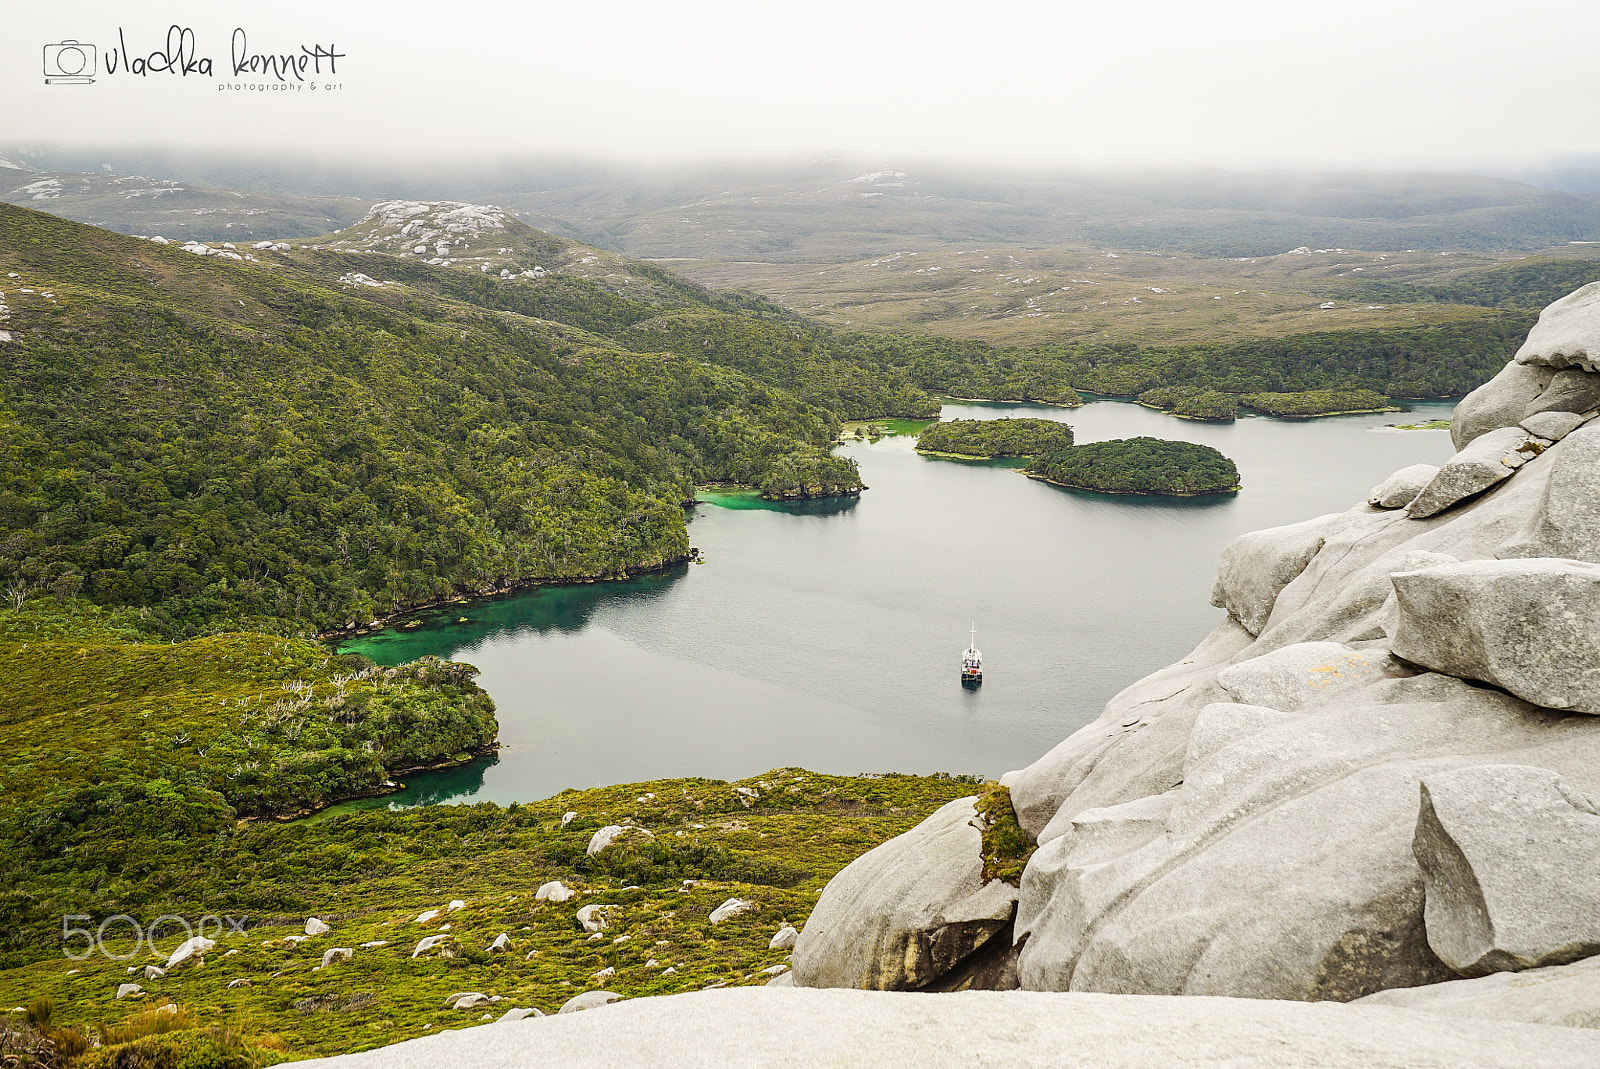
(371, 873)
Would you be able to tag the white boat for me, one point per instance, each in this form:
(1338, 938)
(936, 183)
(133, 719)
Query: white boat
(972, 661)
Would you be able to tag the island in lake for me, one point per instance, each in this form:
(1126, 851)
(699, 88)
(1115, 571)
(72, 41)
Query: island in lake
(970, 439)
(1215, 406)
(1139, 466)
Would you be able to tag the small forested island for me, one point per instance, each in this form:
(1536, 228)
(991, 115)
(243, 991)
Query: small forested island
(1204, 403)
(804, 476)
(1192, 402)
(1308, 403)
(1140, 466)
(982, 438)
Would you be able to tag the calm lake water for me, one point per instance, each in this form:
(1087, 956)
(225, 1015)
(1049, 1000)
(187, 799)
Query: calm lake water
(830, 636)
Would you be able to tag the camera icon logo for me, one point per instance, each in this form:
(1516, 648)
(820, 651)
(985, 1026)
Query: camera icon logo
(69, 63)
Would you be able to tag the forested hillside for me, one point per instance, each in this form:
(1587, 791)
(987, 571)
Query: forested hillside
(262, 444)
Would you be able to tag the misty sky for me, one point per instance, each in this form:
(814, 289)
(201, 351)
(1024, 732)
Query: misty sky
(1234, 82)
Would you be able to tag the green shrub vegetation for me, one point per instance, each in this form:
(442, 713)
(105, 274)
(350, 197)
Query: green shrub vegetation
(1006, 846)
(1415, 362)
(1140, 466)
(1192, 402)
(1315, 402)
(995, 437)
(371, 872)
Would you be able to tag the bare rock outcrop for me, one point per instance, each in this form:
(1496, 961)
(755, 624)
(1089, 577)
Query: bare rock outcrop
(1567, 334)
(907, 913)
(1510, 859)
(1530, 626)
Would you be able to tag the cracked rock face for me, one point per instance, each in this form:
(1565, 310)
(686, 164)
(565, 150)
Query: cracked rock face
(1255, 566)
(1500, 402)
(1510, 858)
(1242, 822)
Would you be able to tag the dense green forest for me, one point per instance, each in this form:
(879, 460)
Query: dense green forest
(1203, 403)
(1527, 285)
(1314, 402)
(995, 437)
(1193, 402)
(219, 442)
(1140, 466)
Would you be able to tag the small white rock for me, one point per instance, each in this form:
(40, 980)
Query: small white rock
(731, 908)
(519, 1013)
(554, 891)
(316, 926)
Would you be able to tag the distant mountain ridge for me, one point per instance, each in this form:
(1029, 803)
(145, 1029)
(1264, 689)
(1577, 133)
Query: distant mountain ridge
(839, 209)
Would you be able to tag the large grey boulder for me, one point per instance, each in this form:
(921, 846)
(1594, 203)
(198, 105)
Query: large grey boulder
(1490, 458)
(1255, 566)
(1500, 402)
(1573, 391)
(1401, 488)
(1313, 815)
(907, 912)
(796, 1028)
(1567, 334)
(1565, 995)
(1288, 678)
(1529, 626)
(1510, 859)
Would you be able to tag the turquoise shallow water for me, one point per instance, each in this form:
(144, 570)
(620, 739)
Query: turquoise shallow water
(830, 635)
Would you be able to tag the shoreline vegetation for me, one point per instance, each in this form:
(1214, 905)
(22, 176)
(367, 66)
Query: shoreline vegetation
(1144, 466)
(985, 439)
(1215, 406)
